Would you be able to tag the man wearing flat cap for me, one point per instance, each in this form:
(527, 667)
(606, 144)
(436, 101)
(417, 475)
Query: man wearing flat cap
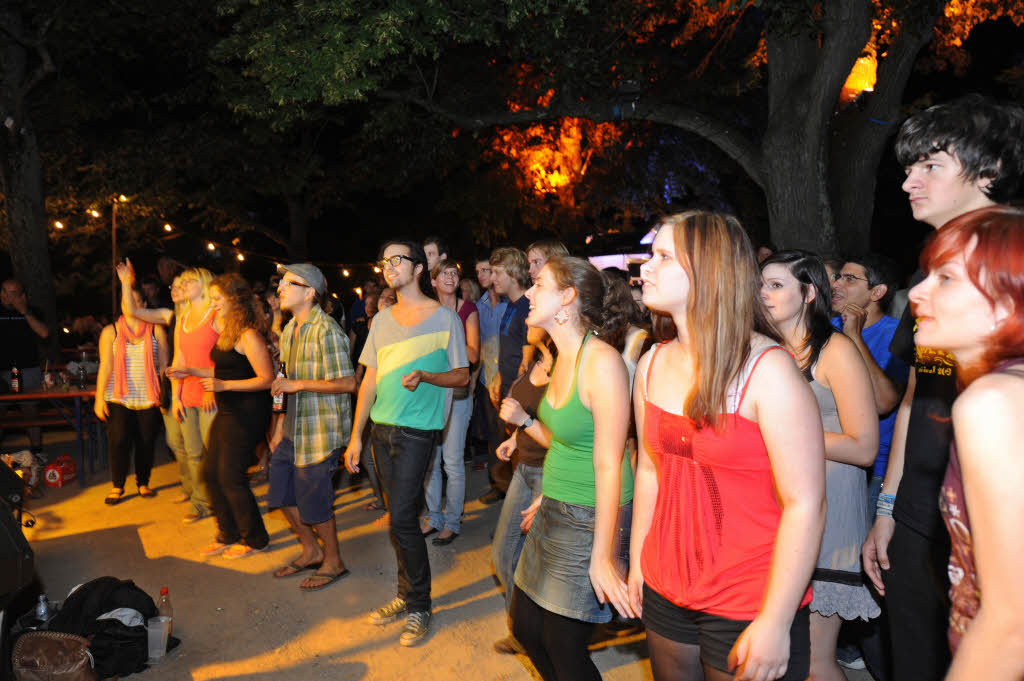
(308, 438)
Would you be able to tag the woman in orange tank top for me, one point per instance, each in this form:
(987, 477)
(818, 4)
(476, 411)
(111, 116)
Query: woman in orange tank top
(729, 497)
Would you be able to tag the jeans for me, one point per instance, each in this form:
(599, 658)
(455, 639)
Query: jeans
(450, 453)
(499, 473)
(508, 537)
(176, 443)
(195, 432)
(402, 456)
(128, 429)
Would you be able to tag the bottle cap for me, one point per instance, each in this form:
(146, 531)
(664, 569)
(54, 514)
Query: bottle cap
(163, 591)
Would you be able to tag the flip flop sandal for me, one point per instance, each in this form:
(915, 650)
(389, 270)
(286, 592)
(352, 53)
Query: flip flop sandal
(331, 579)
(295, 569)
(113, 498)
(146, 492)
(241, 551)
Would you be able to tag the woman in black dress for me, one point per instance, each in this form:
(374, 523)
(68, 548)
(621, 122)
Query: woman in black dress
(240, 380)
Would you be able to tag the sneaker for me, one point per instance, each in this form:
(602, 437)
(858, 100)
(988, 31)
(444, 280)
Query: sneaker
(194, 517)
(417, 625)
(849, 657)
(389, 613)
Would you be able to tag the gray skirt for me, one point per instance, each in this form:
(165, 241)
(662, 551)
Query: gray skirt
(554, 567)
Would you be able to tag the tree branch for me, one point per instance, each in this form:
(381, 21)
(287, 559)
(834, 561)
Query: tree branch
(728, 139)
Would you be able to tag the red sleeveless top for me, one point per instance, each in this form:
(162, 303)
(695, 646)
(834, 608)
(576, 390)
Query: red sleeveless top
(195, 348)
(713, 532)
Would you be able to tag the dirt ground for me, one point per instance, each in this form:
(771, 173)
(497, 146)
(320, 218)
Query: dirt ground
(237, 622)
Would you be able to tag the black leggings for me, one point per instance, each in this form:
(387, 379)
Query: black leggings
(129, 429)
(555, 644)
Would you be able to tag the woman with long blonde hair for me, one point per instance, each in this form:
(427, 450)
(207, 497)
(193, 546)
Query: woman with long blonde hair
(729, 502)
(240, 379)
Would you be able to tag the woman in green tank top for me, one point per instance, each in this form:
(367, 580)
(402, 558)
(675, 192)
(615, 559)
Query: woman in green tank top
(569, 570)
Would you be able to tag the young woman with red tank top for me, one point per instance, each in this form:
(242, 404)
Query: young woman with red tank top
(729, 497)
(971, 305)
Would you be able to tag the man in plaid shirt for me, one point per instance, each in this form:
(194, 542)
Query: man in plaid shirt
(307, 439)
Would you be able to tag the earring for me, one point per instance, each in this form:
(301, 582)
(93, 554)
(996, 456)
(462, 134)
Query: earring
(561, 317)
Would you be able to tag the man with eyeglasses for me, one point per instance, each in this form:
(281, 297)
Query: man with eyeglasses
(861, 292)
(414, 355)
(307, 438)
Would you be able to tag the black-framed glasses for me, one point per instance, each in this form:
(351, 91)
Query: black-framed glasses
(394, 261)
(849, 278)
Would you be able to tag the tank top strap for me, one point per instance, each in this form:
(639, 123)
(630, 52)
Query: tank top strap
(748, 372)
(576, 367)
(647, 376)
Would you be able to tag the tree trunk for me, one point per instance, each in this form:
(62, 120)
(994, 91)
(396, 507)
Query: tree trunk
(862, 133)
(22, 175)
(807, 70)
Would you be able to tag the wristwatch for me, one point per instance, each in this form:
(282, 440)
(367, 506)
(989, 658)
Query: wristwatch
(528, 422)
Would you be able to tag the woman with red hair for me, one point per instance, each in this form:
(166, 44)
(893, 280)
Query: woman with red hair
(972, 305)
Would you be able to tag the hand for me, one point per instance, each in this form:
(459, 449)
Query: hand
(412, 380)
(635, 589)
(495, 390)
(609, 586)
(178, 409)
(529, 514)
(275, 441)
(20, 302)
(178, 373)
(209, 403)
(352, 453)
(100, 409)
(761, 653)
(211, 385)
(125, 272)
(854, 317)
(284, 385)
(512, 412)
(875, 552)
(506, 449)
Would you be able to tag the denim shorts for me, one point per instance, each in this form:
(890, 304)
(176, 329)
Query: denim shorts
(310, 488)
(716, 635)
(554, 567)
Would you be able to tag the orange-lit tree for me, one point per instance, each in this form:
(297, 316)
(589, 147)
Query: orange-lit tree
(760, 79)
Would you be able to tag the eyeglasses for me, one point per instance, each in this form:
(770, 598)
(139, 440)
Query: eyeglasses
(394, 261)
(849, 278)
(449, 274)
(289, 282)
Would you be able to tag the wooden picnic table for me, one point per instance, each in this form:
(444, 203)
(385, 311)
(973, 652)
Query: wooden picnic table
(71, 414)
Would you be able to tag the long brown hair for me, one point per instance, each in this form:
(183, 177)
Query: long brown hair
(723, 309)
(241, 313)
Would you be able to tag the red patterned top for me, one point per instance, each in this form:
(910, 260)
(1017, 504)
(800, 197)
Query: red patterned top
(713, 532)
(964, 593)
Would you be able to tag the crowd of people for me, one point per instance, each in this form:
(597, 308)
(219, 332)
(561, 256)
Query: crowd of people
(753, 461)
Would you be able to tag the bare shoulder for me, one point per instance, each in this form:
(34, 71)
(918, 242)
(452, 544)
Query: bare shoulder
(775, 368)
(107, 334)
(602, 357)
(993, 397)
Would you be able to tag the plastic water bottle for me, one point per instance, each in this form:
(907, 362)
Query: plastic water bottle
(15, 380)
(280, 405)
(42, 609)
(163, 606)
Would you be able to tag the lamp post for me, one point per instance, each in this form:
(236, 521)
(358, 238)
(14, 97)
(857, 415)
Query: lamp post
(118, 198)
